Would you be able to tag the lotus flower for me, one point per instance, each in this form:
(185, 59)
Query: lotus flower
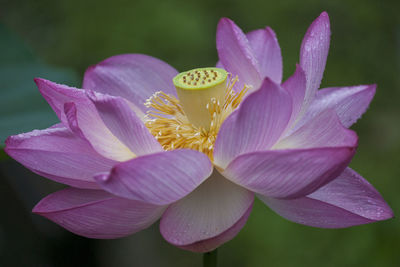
(137, 145)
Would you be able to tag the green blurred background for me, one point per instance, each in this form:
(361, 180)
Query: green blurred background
(57, 40)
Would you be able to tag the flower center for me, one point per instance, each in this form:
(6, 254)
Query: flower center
(206, 98)
(195, 89)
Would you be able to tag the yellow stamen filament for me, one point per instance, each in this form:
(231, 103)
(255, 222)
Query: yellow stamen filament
(168, 123)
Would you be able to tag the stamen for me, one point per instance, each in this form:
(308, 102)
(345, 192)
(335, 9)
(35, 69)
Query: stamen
(169, 124)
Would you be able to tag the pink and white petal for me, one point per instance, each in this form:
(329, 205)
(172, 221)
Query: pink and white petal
(236, 55)
(290, 173)
(57, 95)
(348, 102)
(56, 153)
(123, 123)
(84, 120)
(256, 125)
(213, 243)
(296, 86)
(266, 49)
(97, 214)
(160, 178)
(346, 201)
(313, 54)
(135, 77)
(208, 214)
(76, 111)
(325, 130)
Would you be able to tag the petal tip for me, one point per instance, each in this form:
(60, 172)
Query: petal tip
(385, 212)
(321, 24)
(40, 82)
(225, 20)
(271, 32)
(267, 83)
(324, 14)
(39, 208)
(324, 17)
(372, 88)
(7, 143)
(37, 80)
(36, 210)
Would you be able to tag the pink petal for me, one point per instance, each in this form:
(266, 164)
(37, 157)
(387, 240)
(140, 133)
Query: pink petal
(208, 216)
(213, 243)
(85, 122)
(346, 201)
(132, 76)
(296, 86)
(75, 110)
(59, 155)
(236, 55)
(256, 125)
(122, 121)
(160, 178)
(288, 173)
(97, 214)
(325, 130)
(313, 54)
(349, 102)
(58, 94)
(267, 52)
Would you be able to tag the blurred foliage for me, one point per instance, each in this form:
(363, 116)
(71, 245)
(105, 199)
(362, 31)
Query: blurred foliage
(365, 48)
(22, 108)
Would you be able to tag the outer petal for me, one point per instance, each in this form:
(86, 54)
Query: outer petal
(313, 55)
(79, 113)
(97, 214)
(208, 217)
(160, 178)
(256, 125)
(58, 94)
(236, 55)
(122, 121)
(296, 86)
(349, 102)
(267, 52)
(132, 76)
(288, 173)
(212, 243)
(325, 130)
(346, 201)
(58, 154)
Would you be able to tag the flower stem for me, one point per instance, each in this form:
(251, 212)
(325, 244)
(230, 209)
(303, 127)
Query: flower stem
(210, 259)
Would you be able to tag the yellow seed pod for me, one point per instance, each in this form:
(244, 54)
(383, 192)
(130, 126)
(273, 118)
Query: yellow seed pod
(196, 88)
